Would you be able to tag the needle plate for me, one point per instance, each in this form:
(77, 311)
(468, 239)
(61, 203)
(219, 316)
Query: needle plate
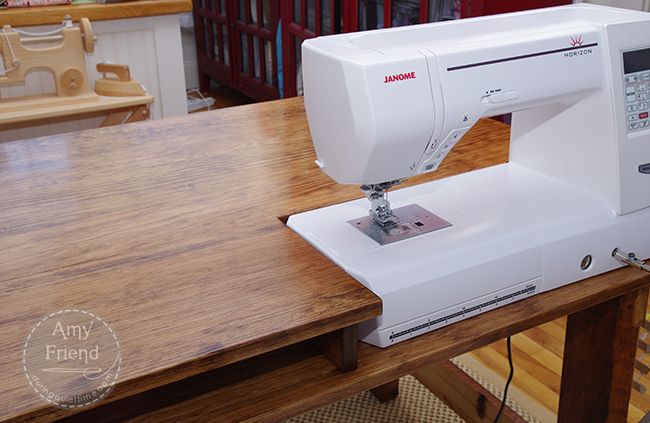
(413, 221)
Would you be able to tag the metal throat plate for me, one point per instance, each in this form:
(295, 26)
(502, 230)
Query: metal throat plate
(413, 221)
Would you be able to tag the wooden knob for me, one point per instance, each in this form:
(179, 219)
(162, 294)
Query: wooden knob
(72, 78)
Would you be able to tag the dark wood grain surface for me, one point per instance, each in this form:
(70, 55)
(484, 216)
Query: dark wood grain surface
(170, 232)
(607, 370)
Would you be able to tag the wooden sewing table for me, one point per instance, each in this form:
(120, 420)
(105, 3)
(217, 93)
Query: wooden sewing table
(173, 233)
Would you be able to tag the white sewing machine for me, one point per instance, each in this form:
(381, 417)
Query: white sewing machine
(388, 104)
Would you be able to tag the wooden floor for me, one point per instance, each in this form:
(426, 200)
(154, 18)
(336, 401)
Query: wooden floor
(224, 97)
(537, 357)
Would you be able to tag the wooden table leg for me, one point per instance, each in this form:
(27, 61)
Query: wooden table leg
(126, 115)
(386, 392)
(465, 396)
(139, 114)
(599, 354)
(340, 347)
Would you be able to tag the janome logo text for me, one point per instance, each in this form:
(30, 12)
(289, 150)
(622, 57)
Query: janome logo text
(398, 77)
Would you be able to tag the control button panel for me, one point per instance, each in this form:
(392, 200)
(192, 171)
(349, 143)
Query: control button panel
(436, 151)
(636, 89)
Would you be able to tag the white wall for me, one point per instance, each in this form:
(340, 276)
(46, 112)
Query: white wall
(190, 61)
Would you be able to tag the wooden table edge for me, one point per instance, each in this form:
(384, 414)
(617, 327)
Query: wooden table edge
(74, 110)
(375, 380)
(211, 361)
(395, 363)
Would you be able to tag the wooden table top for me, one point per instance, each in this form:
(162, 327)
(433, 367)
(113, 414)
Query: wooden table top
(25, 16)
(264, 153)
(170, 231)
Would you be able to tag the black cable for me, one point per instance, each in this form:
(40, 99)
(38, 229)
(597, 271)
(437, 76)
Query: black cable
(505, 390)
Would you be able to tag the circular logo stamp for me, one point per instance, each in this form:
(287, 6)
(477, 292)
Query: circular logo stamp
(71, 358)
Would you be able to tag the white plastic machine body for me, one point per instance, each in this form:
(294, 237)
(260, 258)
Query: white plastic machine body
(388, 104)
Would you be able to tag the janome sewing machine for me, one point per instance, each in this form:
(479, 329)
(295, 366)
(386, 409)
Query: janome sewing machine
(389, 104)
(62, 52)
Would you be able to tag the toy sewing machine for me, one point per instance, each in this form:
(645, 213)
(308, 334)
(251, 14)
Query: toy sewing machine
(62, 52)
(389, 104)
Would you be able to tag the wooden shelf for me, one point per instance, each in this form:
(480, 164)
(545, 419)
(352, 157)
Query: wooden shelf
(26, 110)
(93, 11)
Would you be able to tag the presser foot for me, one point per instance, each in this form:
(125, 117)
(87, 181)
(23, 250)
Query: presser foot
(386, 225)
(380, 210)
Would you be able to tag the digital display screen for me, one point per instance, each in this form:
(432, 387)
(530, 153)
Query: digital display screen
(636, 61)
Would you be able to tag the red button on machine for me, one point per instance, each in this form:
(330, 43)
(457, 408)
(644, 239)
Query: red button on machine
(643, 115)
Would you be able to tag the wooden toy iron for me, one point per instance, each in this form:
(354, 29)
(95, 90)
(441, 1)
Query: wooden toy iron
(119, 86)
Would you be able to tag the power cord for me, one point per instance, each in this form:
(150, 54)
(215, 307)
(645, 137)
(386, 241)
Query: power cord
(505, 390)
(209, 101)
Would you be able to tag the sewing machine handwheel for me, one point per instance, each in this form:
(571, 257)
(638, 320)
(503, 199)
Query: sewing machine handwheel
(87, 35)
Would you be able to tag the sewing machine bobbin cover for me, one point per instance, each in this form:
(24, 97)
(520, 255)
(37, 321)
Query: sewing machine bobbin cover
(577, 185)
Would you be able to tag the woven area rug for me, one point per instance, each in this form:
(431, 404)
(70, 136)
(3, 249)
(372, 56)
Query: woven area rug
(415, 404)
